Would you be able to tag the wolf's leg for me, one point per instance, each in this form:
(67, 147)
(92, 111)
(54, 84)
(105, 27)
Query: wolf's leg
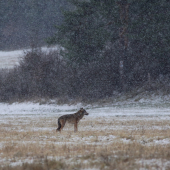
(75, 126)
(59, 126)
(62, 124)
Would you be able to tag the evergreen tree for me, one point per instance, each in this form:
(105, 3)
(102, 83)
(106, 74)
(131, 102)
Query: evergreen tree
(150, 25)
(83, 33)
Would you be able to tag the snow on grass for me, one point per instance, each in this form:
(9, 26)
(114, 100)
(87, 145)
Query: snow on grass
(162, 164)
(35, 108)
(28, 132)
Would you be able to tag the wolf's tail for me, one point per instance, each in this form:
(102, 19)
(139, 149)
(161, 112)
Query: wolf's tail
(59, 125)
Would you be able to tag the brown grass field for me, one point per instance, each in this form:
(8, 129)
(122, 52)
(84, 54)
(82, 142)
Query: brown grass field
(118, 142)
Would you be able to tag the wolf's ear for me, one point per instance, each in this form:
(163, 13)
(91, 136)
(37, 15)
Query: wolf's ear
(81, 109)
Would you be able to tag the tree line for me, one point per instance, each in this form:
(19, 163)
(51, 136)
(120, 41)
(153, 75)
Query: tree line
(130, 33)
(107, 46)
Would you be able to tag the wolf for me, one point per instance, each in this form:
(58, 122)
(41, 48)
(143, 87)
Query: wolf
(71, 118)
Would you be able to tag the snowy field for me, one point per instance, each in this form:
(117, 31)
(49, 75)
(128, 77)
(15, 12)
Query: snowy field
(116, 136)
(130, 134)
(8, 59)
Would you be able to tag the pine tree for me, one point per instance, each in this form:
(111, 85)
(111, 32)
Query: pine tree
(83, 33)
(150, 25)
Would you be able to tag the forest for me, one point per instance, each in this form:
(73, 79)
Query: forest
(107, 47)
(28, 22)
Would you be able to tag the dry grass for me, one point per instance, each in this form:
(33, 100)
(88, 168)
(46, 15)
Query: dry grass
(109, 143)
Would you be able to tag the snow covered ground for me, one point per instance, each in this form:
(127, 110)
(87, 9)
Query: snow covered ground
(114, 126)
(130, 111)
(8, 59)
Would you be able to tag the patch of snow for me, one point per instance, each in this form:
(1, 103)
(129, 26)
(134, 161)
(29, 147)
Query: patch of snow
(162, 164)
(9, 59)
(35, 108)
(132, 112)
(162, 142)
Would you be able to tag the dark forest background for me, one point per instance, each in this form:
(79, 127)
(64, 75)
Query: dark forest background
(108, 46)
(25, 23)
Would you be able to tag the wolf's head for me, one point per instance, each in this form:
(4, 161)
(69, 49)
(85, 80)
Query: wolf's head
(83, 111)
